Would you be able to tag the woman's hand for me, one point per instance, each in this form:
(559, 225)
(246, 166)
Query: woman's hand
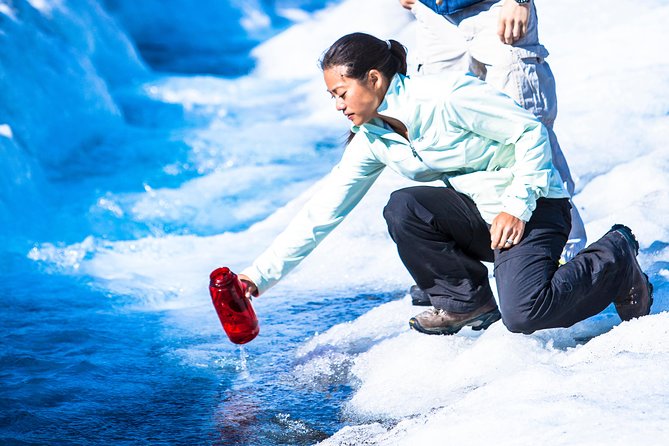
(251, 288)
(506, 231)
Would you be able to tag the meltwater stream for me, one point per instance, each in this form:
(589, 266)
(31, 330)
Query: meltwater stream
(84, 367)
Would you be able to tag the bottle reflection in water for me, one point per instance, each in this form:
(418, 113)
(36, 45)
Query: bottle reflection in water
(232, 306)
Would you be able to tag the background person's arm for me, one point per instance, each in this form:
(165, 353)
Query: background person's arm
(512, 23)
(407, 4)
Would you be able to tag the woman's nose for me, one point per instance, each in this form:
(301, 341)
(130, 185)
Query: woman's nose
(339, 104)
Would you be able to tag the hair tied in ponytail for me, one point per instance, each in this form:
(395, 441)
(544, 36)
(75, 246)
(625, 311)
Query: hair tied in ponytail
(360, 52)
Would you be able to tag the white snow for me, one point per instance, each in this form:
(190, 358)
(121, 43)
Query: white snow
(6, 131)
(8, 11)
(45, 6)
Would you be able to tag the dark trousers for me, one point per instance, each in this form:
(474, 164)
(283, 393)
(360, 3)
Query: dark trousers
(442, 240)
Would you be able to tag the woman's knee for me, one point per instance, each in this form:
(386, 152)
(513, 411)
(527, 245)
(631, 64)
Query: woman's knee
(399, 209)
(518, 315)
(523, 317)
(520, 324)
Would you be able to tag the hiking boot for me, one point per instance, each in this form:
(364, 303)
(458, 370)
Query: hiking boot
(637, 300)
(419, 297)
(442, 322)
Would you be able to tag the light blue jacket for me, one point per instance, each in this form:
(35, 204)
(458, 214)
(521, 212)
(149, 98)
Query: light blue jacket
(461, 131)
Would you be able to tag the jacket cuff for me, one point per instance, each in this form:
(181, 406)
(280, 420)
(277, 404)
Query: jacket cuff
(256, 277)
(519, 208)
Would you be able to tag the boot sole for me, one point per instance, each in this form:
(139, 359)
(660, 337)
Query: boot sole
(478, 323)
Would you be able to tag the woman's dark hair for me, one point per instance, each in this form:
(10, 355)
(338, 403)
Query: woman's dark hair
(360, 52)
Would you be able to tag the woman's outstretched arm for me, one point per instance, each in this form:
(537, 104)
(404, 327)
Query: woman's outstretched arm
(332, 201)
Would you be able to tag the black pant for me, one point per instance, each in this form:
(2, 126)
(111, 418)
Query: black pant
(442, 240)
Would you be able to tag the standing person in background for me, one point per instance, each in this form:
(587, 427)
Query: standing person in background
(504, 201)
(498, 41)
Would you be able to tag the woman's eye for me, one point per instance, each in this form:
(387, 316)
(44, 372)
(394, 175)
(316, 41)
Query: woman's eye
(335, 97)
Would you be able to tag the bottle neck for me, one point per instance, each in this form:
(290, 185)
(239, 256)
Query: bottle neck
(222, 278)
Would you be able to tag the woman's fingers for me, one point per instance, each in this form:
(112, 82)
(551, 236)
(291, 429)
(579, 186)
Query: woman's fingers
(499, 235)
(506, 239)
(251, 288)
(506, 231)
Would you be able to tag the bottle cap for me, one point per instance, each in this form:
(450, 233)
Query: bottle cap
(221, 276)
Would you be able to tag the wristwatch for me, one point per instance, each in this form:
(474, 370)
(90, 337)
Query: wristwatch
(522, 2)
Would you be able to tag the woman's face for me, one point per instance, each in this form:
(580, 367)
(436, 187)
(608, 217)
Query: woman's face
(358, 100)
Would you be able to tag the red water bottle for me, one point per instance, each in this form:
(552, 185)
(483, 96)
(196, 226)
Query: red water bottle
(234, 309)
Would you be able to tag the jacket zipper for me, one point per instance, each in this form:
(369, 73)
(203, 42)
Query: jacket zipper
(415, 153)
(413, 150)
(444, 178)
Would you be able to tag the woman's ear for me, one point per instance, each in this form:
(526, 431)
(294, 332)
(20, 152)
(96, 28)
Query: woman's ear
(375, 78)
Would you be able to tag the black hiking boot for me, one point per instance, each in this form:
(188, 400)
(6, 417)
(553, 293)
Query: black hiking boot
(441, 322)
(637, 300)
(419, 297)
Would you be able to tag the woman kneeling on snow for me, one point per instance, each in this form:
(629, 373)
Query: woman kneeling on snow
(503, 200)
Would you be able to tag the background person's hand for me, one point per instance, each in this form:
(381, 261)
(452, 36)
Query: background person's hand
(512, 23)
(506, 228)
(251, 288)
(407, 4)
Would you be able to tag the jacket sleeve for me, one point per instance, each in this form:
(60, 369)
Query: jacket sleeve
(476, 106)
(338, 193)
